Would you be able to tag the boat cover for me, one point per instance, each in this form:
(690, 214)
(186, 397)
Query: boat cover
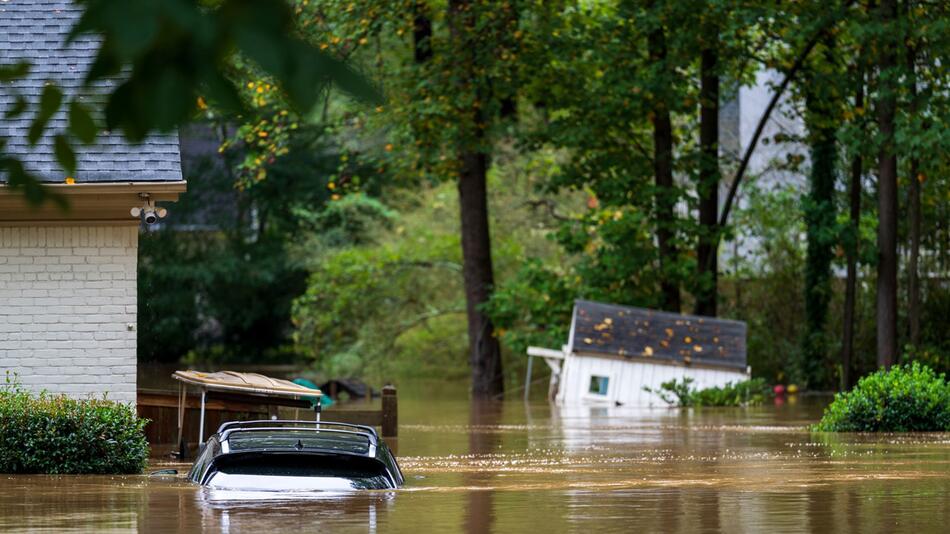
(247, 383)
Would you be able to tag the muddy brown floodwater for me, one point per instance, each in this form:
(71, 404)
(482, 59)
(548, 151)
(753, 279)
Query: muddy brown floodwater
(511, 467)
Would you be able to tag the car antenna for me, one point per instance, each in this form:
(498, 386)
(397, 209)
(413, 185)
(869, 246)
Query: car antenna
(318, 408)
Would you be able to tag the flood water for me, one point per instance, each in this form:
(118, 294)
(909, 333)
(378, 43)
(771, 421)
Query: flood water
(512, 467)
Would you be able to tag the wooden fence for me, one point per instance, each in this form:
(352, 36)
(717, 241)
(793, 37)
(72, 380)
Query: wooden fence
(161, 408)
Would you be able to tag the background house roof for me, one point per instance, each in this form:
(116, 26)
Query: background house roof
(613, 330)
(35, 31)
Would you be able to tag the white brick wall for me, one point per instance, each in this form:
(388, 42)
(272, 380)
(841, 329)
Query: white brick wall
(67, 300)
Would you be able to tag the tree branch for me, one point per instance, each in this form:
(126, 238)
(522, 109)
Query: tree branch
(428, 264)
(547, 203)
(789, 75)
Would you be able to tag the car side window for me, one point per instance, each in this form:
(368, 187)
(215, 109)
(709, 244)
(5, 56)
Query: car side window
(207, 454)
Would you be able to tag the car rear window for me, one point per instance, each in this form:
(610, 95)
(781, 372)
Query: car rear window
(299, 440)
(361, 472)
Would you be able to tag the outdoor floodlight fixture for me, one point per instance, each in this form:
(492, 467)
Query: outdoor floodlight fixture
(149, 213)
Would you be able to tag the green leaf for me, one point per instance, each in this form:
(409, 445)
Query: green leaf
(64, 154)
(16, 71)
(18, 107)
(50, 102)
(80, 122)
(19, 179)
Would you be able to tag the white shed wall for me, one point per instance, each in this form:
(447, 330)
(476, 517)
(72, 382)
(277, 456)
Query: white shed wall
(627, 379)
(68, 309)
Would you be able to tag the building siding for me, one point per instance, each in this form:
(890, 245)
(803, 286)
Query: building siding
(627, 379)
(68, 309)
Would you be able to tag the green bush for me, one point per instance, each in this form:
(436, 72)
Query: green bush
(682, 393)
(910, 398)
(55, 434)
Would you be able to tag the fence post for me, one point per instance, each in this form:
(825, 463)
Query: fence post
(390, 416)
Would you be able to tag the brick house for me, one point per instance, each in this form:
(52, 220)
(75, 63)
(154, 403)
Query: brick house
(68, 295)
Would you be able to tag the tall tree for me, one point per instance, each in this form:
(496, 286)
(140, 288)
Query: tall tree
(913, 200)
(665, 195)
(851, 249)
(707, 253)
(887, 186)
(472, 160)
(819, 206)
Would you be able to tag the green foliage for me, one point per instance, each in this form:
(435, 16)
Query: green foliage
(394, 277)
(934, 349)
(54, 434)
(909, 398)
(561, 97)
(933, 357)
(534, 307)
(159, 90)
(683, 394)
(216, 281)
(389, 300)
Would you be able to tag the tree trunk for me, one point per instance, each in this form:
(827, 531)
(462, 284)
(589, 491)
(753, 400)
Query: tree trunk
(484, 351)
(850, 295)
(421, 32)
(913, 277)
(707, 253)
(665, 197)
(887, 194)
(472, 160)
(820, 228)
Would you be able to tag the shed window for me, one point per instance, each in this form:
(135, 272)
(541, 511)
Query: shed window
(598, 385)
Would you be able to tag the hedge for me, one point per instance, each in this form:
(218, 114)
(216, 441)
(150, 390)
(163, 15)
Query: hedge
(55, 434)
(910, 398)
(745, 393)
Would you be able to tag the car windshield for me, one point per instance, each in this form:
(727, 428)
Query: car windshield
(296, 472)
(299, 440)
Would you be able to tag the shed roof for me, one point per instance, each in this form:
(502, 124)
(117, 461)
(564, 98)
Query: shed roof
(612, 330)
(35, 31)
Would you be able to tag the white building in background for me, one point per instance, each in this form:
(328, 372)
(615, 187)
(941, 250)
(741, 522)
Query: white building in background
(68, 288)
(768, 168)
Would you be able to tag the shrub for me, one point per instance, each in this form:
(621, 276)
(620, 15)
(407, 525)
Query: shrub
(55, 434)
(745, 393)
(910, 398)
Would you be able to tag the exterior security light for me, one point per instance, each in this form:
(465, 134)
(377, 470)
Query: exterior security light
(149, 212)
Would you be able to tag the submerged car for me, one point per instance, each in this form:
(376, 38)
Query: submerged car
(295, 456)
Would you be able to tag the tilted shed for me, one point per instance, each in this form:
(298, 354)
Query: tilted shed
(613, 352)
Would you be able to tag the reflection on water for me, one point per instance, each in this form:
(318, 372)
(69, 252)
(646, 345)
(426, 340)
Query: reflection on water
(508, 467)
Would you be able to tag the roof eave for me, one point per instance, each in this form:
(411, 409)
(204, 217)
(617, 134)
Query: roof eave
(98, 203)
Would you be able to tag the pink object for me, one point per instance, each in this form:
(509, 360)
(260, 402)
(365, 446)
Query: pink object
(779, 389)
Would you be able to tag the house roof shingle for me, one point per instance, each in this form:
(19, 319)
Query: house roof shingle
(35, 31)
(611, 330)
